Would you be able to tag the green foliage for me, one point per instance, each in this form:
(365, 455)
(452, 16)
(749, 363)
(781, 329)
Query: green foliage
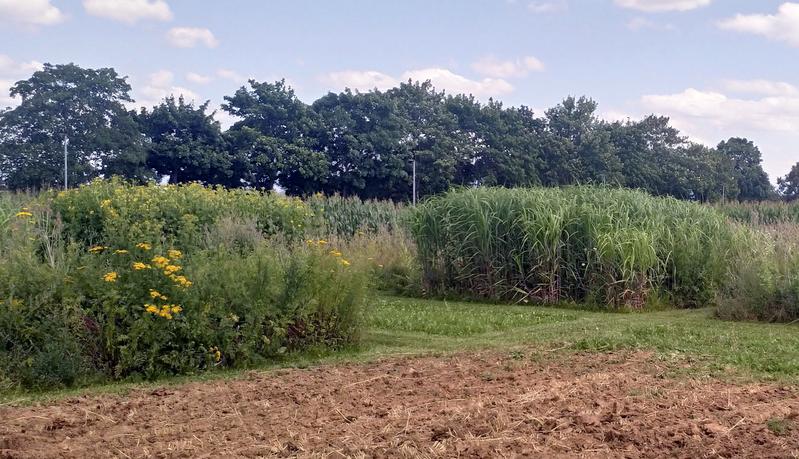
(118, 214)
(105, 284)
(336, 215)
(765, 278)
(753, 183)
(608, 246)
(85, 105)
(789, 185)
(185, 143)
(761, 213)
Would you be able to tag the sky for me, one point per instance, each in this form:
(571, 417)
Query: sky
(717, 68)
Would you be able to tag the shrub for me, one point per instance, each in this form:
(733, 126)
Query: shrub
(117, 214)
(608, 246)
(245, 288)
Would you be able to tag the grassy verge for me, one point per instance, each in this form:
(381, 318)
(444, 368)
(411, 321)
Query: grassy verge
(692, 341)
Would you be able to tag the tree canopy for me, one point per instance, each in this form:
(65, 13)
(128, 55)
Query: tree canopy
(356, 143)
(84, 105)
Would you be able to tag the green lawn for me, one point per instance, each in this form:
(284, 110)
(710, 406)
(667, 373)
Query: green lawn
(757, 350)
(693, 340)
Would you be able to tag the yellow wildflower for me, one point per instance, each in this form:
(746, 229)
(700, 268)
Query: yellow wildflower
(97, 249)
(105, 203)
(24, 214)
(144, 246)
(174, 254)
(176, 309)
(160, 261)
(321, 242)
(335, 253)
(120, 251)
(344, 262)
(171, 269)
(181, 281)
(138, 266)
(151, 308)
(156, 295)
(111, 277)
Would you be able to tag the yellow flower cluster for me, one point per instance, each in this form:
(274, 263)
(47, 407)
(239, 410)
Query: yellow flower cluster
(169, 270)
(181, 281)
(167, 311)
(97, 249)
(160, 262)
(316, 242)
(111, 277)
(154, 294)
(138, 266)
(105, 203)
(339, 255)
(120, 251)
(144, 246)
(174, 254)
(216, 353)
(24, 214)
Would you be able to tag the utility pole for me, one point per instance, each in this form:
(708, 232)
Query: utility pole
(414, 180)
(66, 142)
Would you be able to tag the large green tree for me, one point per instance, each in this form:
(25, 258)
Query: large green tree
(753, 182)
(185, 143)
(274, 141)
(84, 105)
(789, 185)
(579, 150)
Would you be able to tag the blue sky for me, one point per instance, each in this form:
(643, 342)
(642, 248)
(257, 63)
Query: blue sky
(718, 68)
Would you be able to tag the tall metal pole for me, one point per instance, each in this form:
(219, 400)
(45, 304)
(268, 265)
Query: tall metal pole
(66, 142)
(414, 181)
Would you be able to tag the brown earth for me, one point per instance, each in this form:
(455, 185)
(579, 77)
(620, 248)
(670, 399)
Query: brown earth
(475, 405)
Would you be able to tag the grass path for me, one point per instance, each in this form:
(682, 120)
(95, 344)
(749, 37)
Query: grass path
(691, 340)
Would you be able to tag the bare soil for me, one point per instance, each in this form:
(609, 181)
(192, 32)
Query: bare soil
(468, 405)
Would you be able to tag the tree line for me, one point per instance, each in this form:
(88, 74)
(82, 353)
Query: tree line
(356, 144)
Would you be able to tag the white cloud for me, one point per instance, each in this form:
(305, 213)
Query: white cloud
(189, 37)
(30, 12)
(442, 79)
(160, 85)
(762, 87)
(360, 80)
(12, 71)
(541, 7)
(708, 116)
(198, 78)
(129, 11)
(5, 99)
(453, 83)
(225, 119)
(783, 26)
(493, 67)
(10, 68)
(658, 6)
(770, 113)
(640, 23)
(227, 74)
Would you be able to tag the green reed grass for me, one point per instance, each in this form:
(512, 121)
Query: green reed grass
(616, 247)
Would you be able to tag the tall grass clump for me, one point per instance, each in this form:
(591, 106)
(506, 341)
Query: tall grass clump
(762, 212)
(765, 278)
(340, 216)
(614, 247)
